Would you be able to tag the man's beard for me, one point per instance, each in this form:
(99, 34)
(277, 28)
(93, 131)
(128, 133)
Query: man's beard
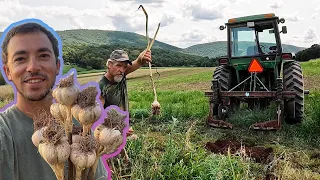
(37, 97)
(118, 78)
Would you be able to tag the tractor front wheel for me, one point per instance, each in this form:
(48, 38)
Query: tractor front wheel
(293, 81)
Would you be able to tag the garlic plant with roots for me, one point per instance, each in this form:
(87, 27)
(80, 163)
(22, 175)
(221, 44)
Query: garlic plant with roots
(108, 136)
(155, 105)
(55, 148)
(83, 153)
(87, 110)
(66, 94)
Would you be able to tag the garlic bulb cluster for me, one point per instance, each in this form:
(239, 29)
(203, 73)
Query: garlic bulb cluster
(59, 140)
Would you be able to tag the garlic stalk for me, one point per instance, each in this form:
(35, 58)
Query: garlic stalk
(87, 110)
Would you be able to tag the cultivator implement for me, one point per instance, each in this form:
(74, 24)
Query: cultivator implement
(220, 101)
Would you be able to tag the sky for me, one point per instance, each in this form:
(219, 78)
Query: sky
(183, 22)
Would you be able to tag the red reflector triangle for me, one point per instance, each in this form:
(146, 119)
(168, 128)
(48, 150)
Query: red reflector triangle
(255, 66)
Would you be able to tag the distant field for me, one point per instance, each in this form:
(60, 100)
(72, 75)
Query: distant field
(172, 146)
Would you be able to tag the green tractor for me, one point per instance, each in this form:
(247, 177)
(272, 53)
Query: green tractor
(256, 71)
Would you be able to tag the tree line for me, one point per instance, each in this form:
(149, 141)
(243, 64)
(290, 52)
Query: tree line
(310, 53)
(95, 56)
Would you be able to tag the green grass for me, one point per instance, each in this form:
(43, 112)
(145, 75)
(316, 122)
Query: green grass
(310, 67)
(171, 146)
(80, 70)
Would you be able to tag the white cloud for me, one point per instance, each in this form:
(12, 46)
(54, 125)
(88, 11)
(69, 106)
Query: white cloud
(293, 18)
(315, 16)
(203, 11)
(76, 22)
(310, 35)
(167, 19)
(194, 35)
(276, 4)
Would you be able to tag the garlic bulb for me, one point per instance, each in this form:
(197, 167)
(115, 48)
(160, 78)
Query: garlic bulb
(59, 111)
(37, 136)
(86, 115)
(81, 158)
(87, 109)
(110, 139)
(55, 153)
(155, 107)
(67, 92)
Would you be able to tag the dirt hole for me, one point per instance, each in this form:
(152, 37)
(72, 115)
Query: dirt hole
(256, 153)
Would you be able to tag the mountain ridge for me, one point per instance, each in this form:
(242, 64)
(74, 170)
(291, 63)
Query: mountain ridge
(110, 37)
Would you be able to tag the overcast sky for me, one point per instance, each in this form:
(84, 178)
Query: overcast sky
(183, 22)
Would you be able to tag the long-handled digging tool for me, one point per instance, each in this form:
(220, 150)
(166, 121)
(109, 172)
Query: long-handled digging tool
(155, 105)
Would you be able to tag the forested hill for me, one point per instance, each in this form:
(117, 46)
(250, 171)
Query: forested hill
(104, 37)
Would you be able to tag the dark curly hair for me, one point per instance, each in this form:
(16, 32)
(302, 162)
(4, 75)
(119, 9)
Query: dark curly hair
(24, 29)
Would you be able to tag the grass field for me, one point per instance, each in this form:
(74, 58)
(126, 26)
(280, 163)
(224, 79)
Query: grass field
(172, 146)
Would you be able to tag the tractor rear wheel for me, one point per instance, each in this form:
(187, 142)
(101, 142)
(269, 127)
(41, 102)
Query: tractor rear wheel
(293, 81)
(225, 77)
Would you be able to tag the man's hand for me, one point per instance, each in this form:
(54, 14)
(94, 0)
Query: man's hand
(140, 61)
(146, 58)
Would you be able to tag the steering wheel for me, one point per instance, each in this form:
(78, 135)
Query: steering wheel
(262, 46)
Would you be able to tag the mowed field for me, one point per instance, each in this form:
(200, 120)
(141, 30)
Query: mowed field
(178, 144)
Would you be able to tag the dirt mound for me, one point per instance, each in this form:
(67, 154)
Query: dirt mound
(258, 154)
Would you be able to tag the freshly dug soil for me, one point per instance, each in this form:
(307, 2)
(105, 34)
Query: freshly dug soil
(258, 154)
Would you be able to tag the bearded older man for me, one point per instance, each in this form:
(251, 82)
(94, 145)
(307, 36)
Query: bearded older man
(113, 83)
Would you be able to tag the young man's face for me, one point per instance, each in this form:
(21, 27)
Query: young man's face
(32, 65)
(117, 69)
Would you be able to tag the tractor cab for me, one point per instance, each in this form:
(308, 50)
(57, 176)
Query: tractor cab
(253, 36)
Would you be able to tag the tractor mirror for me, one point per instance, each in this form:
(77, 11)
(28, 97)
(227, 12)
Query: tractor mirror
(250, 24)
(282, 20)
(221, 28)
(284, 29)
